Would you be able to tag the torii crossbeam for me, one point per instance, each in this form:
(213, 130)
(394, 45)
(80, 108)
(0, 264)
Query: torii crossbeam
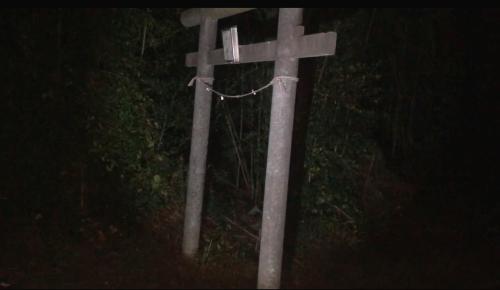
(291, 44)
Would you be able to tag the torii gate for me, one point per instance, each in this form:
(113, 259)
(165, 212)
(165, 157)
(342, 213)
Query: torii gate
(291, 44)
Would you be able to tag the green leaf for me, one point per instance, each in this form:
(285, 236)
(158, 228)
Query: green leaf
(155, 183)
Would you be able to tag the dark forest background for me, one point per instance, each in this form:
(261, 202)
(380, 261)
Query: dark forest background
(402, 121)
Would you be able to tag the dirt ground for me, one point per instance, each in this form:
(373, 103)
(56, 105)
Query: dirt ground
(47, 252)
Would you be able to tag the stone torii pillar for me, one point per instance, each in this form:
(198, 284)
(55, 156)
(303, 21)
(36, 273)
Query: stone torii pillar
(199, 138)
(290, 45)
(278, 151)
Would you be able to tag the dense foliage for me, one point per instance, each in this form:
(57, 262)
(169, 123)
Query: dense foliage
(107, 103)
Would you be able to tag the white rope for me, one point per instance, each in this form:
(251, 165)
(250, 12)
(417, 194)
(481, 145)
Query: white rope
(202, 79)
(253, 92)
